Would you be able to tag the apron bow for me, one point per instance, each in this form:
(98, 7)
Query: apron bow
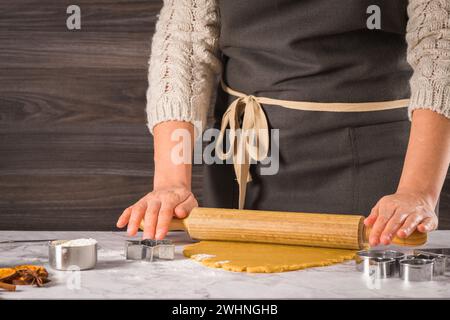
(248, 136)
(249, 132)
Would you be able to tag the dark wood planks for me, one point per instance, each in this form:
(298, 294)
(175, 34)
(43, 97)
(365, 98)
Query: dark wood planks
(74, 148)
(83, 96)
(97, 15)
(76, 50)
(79, 201)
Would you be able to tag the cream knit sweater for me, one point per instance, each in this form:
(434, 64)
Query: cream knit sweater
(184, 62)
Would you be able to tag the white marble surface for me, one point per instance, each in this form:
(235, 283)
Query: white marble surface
(116, 278)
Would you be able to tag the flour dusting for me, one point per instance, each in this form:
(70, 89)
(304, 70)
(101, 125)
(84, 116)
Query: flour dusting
(78, 243)
(202, 256)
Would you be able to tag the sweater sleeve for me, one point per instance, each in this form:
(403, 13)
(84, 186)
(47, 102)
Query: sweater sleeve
(428, 38)
(184, 62)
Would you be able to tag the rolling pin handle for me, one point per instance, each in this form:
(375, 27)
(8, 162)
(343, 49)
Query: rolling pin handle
(417, 238)
(177, 225)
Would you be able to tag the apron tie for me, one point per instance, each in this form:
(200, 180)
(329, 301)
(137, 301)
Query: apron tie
(249, 138)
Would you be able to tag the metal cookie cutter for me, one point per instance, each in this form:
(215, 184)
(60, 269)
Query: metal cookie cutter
(416, 269)
(439, 261)
(382, 263)
(441, 256)
(149, 250)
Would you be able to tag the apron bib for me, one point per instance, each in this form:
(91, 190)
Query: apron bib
(331, 162)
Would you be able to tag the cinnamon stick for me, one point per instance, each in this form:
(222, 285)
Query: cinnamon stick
(8, 287)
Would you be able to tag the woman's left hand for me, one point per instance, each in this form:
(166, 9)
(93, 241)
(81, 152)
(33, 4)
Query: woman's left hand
(400, 214)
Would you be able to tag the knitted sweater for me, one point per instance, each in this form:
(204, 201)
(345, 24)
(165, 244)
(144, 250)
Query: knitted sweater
(185, 62)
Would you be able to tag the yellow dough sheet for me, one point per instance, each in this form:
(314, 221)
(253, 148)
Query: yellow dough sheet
(263, 258)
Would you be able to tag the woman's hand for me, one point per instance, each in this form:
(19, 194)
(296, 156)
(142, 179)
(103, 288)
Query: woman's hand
(171, 195)
(400, 214)
(426, 164)
(157, 209)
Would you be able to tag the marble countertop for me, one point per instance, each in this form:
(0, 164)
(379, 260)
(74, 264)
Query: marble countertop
(116, 278)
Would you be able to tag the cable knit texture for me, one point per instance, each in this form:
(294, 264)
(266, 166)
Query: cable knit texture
(184, 62)
(428, 37)
(184, 59)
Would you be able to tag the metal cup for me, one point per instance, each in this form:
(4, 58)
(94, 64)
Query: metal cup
(71, 258)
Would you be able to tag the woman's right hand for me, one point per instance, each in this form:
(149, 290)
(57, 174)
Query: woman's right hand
(172, 194)
(157, 209)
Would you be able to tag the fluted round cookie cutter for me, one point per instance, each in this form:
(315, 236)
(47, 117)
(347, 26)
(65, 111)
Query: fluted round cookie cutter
(382, 263)
(416, 269)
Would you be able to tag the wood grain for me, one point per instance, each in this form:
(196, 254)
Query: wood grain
(66, 202)
(74, 147)
(97, 15)
(65, 96)
(277, 227)
(79, 201)
(317, 230)
(76, 50)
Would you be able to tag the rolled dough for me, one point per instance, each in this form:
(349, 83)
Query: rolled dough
(263, 258)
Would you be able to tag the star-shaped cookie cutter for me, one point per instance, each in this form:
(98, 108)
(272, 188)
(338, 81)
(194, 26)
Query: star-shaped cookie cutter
(149, 250)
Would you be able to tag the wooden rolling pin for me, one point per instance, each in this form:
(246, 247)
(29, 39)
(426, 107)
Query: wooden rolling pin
(295, 228)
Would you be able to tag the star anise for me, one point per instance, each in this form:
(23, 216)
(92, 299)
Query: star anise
(30, 275)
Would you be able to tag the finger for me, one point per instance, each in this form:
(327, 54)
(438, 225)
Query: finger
(384, 214)
(392, 226)
(183, 209)
(410, 225)
(427, 225)
(164, 217)
(151, 218)
(124, 217)
(137, 214)
(370, 220)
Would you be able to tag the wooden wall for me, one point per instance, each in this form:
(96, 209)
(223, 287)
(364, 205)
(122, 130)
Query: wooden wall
(74, 148)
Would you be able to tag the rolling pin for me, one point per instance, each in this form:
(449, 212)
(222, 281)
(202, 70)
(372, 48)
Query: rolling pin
(293, 228)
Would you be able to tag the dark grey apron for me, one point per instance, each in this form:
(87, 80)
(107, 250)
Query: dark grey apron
(318, 51)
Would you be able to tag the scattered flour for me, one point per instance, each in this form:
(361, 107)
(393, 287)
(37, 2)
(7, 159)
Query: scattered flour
(202, 256)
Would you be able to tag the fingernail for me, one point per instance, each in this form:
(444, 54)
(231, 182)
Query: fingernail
(159, 235)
